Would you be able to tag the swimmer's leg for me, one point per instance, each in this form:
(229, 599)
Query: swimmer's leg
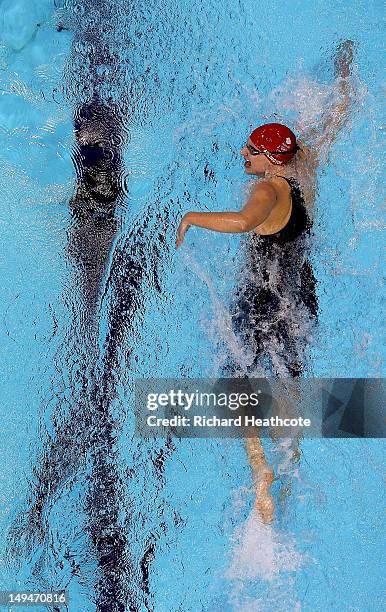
(262, 475)
(249, 319)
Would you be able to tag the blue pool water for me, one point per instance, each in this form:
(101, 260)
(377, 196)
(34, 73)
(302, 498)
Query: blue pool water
(85, 505)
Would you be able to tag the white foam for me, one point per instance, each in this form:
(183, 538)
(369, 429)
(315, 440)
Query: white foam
(262, 552)
(222, 320)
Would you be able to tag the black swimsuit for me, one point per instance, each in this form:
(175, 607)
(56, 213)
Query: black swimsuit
(276, 303)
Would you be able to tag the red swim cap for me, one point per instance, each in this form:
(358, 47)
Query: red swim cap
(276, 141)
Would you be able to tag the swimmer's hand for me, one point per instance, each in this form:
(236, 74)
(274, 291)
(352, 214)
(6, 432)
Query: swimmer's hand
(182, 229)
(343, 59)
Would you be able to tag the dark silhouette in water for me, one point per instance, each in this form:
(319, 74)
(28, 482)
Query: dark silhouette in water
(99, 167)
(87, 431)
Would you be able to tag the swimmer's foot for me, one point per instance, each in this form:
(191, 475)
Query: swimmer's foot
(264, 503)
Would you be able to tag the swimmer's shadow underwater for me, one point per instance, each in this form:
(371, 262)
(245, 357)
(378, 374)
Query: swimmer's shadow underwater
(84, 426)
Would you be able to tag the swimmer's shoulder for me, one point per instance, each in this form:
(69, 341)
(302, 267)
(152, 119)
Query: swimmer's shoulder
(301, 173)
(307, 161)
(264, 188)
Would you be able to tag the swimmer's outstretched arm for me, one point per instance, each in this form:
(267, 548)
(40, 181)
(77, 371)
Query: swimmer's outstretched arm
(255, 211)
(334, 118)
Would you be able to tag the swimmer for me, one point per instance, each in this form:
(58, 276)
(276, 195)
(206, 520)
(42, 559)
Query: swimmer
(271, 153)
(278, 298)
